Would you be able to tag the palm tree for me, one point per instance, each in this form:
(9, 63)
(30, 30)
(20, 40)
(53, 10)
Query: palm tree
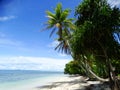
(59, 23)
(64, 44)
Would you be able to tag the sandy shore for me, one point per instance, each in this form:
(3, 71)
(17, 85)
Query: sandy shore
(73, 83)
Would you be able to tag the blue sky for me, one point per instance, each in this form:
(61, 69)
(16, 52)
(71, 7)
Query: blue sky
(20, 26)
(22, 44)
(21, 39)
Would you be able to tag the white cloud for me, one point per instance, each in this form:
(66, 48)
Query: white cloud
(5, 18)
(114, 3)
(33, 63)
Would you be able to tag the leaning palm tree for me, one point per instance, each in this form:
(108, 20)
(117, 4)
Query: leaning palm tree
(59, 23)
(64, 44)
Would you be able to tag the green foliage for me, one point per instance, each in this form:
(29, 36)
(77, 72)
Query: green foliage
(100, 69)
(73, 67)
(96, 26)
(91, 40)
(60, 23)
(94, 21)
(116, 65)
(97, 23)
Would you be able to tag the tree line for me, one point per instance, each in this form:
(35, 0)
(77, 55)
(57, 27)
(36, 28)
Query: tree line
(91, 38)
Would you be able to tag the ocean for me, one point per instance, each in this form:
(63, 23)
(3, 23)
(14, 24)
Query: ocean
(26, 79)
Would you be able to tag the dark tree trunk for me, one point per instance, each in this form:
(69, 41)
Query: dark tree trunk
(114, 84)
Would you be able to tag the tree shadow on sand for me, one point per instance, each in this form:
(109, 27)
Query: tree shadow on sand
(83, 85)
(57, 84)
(100, 86)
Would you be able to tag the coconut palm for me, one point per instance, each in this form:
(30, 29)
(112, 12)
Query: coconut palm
(59, 23)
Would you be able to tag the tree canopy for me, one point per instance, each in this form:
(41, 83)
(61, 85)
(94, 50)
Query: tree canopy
(97, 23)
(93, 41)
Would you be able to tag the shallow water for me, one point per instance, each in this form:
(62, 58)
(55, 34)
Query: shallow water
(25, 79)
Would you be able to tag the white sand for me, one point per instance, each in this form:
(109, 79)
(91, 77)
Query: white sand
(70, 83)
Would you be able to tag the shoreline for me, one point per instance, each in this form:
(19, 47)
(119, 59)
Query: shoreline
(73, 83)
(56, 82)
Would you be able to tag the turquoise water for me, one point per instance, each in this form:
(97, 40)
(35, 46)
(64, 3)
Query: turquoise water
(24, 79)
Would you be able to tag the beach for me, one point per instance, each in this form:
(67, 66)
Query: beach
(37, 80)
(73, 83)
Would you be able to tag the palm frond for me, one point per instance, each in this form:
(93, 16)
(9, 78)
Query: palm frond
(48, 26)
(58, 21)
(58, 10)
(52, 31)
(58, 46)
(67, 32)
(69, 24)
(63, 47)
(50, 15)
(52, 22)
(64, 14)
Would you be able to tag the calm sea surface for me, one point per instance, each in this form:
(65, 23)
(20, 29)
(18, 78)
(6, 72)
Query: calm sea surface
(16, 79)
(18, 75)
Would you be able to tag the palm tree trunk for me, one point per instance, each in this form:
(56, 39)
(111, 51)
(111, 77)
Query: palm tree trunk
(91, 73)
(111, 74)
(60, 32)
(97, 77)
(112, 78)
(114, 84)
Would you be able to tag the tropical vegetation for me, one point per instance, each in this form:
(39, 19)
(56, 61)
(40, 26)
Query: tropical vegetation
(92, 39)
(73, 67)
